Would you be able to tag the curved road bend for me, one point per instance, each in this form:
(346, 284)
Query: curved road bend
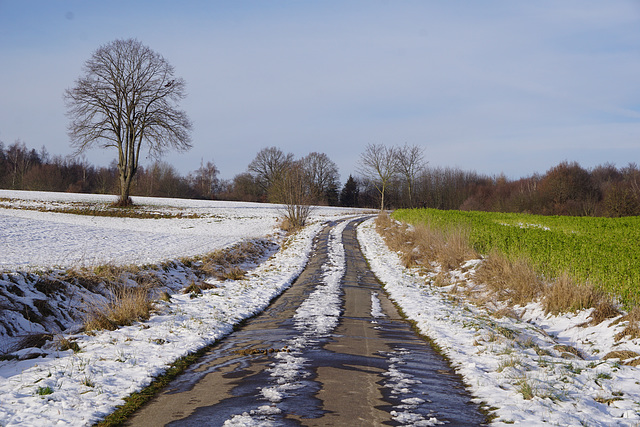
(369, 369)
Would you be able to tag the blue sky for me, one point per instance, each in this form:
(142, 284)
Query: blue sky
(510, 87)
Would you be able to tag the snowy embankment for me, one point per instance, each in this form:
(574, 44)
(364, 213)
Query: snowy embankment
(79, 388)
(523, 368)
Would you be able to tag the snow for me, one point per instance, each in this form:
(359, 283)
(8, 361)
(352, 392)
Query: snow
(500, 359)
(376, 308)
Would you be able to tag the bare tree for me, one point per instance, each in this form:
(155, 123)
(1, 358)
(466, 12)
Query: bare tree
(269, 165)
(205, 179)
(322, 173)
(378, 163)
(410, 162)
(127, 98)
(20, 159)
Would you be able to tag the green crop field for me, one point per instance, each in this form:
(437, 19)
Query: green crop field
(602, 251)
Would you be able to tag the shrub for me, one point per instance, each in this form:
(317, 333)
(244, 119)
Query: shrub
(125, 306)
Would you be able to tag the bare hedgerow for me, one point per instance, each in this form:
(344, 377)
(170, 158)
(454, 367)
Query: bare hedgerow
(632, 330)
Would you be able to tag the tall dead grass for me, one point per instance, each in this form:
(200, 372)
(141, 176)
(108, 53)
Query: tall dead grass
(632, 330)
(225, 263)
(422, 245)
(124, 306)
(130, 291)
(512, 281)
(565, 295)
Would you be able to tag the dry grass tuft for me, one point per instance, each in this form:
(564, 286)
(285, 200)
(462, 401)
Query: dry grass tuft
(621, 354)
(634, 362)
(442, 279)
(505, 312)
(193, 288)
(221, 263)
(512, 281)
(605, 309)
(567, 351)
(565, 295)
(632, 330)
(453, 248)
(125, 306)
(236, 273)
(288, 226)
(64, 344)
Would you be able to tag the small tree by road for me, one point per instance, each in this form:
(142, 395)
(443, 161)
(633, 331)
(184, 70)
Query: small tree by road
(294, 191)
(127, 97)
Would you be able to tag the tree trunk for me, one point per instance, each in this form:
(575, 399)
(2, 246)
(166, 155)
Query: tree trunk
(125, 190)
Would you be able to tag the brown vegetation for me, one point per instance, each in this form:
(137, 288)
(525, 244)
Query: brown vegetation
(123, 307)
(421, 245)
(131, 290)
(632, 330)
(511, 281)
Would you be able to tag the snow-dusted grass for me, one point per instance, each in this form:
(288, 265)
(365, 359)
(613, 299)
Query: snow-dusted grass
(524, 368)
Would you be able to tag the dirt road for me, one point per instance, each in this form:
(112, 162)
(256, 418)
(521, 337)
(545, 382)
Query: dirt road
(364, 366)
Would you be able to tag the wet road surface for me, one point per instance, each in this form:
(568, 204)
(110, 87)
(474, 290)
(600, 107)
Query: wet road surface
(366, 368)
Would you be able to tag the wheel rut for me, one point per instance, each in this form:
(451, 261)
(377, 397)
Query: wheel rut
(358, 363)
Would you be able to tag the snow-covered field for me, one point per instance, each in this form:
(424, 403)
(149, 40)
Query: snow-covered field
(31, 238)
(512, 365)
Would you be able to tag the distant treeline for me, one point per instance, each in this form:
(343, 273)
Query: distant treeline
(566, 189)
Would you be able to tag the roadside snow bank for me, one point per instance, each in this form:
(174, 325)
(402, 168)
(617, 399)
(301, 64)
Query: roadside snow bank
(522, 368)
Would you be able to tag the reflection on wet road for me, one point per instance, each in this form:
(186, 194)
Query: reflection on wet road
(331, 350)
